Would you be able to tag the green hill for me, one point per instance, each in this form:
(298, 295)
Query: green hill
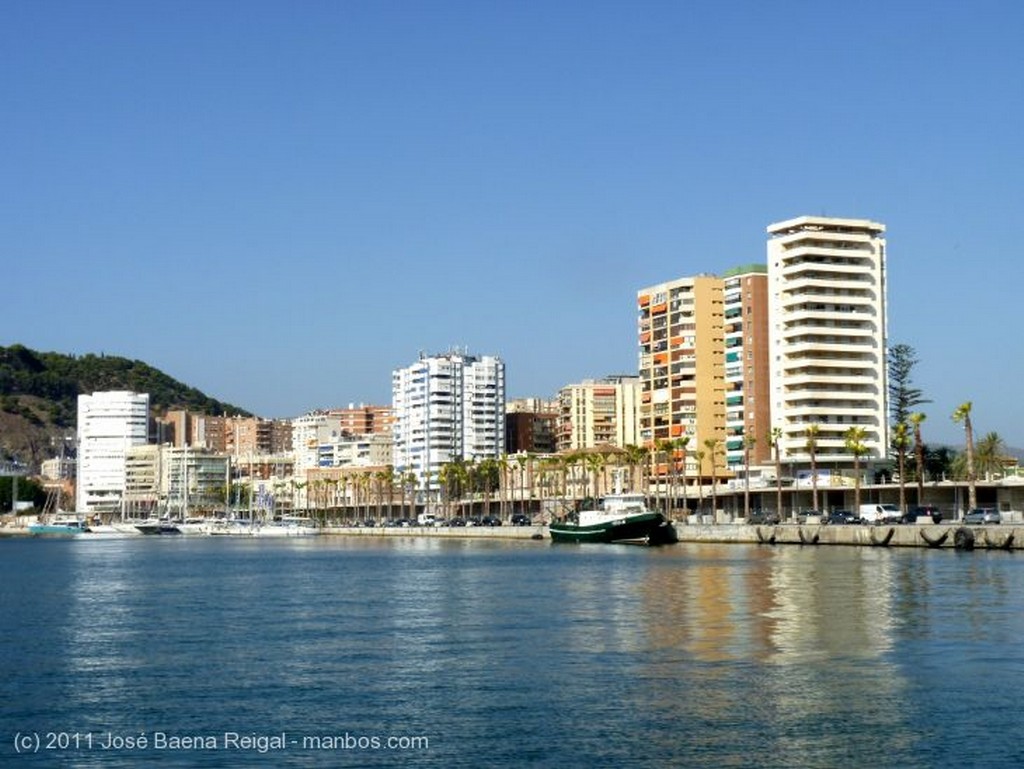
(39, 395)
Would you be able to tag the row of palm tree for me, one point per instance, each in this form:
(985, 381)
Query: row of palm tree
(572, 475)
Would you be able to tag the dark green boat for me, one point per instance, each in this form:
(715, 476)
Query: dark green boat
(619, 518)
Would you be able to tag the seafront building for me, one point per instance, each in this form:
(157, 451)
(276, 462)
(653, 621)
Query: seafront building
(365, 419)
(747, 371)
(447, 407)
(109, 424)
(603, 412)
(681, 332)
(827, 334)
(232, 435)
(531, 426)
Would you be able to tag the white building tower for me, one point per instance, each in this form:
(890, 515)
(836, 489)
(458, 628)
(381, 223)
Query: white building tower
(109, 423)
(447, 407)
(827, 336)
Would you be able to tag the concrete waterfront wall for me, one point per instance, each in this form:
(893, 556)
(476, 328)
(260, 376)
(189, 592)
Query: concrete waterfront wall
(452, 532)
(942, 535)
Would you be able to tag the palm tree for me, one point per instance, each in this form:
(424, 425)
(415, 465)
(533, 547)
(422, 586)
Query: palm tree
(901, 442)
(503, 464)
(682, 443)
(699, 455)
(748, 444)
(915, 420)
(635, 455)
(713, 445)
(963, 414)
(521, 461)
(811, 433)
(855, 445)
(989, 455)
(594, 462)
(775, 437)
(663, 448)
(486, 474)
(550, 468)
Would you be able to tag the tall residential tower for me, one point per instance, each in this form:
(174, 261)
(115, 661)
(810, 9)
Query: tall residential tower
(827, 330)
(446, 408)
(109, 423)
(682, 374)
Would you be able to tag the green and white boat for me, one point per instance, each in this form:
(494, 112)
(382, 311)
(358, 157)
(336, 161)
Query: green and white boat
(617, 518)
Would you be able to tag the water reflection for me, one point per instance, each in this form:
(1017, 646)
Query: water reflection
(686, 655)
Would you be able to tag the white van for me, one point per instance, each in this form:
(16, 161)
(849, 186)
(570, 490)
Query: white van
(876, 513)
(426, 519)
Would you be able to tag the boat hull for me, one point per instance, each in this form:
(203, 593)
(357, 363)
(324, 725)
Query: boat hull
(56, 530)
(155, 528)
(644, 529)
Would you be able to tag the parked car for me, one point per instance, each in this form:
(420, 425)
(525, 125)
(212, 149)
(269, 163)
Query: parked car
(927, 511)
(843, 517)
(490, 520)
(521, 519)
(767, 517)
(880, 513)
(983, 515)
(812, 514)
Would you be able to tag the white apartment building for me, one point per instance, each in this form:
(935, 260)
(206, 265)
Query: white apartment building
(312, 435)
(447, 407)
(827, 335)
(109, 423)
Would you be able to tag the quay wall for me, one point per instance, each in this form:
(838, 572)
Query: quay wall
(941, 535)
(952, 535)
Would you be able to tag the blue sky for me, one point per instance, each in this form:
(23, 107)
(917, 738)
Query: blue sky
(279, 203)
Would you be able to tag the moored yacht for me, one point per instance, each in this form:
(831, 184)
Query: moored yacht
(288, 526)
(64, 525)
(158, 526)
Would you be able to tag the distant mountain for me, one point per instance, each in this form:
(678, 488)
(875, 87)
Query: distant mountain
(39, 395)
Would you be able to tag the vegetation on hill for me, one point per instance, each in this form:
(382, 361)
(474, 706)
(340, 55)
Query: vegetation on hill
(39, 394)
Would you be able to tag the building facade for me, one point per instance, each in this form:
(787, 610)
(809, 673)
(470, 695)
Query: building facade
(682, 373)
(447, 407)
(747, 373)
(601, 412)
(109, 424)
(827, 334)
(365, 420)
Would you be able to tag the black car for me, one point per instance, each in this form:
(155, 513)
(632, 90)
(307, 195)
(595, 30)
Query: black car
(767, 517)
(490, 520)
(842, 517)
(927, 511)
(520, 519)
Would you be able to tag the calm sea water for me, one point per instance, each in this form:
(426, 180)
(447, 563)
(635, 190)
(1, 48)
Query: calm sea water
(380, 652)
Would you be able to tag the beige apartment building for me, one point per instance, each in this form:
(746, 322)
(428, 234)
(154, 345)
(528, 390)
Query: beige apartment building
(681, 329)
(599, 413)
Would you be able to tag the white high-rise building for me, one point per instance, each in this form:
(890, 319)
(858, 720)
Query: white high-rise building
(109, 423)
(447, 407)
(827, 336)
